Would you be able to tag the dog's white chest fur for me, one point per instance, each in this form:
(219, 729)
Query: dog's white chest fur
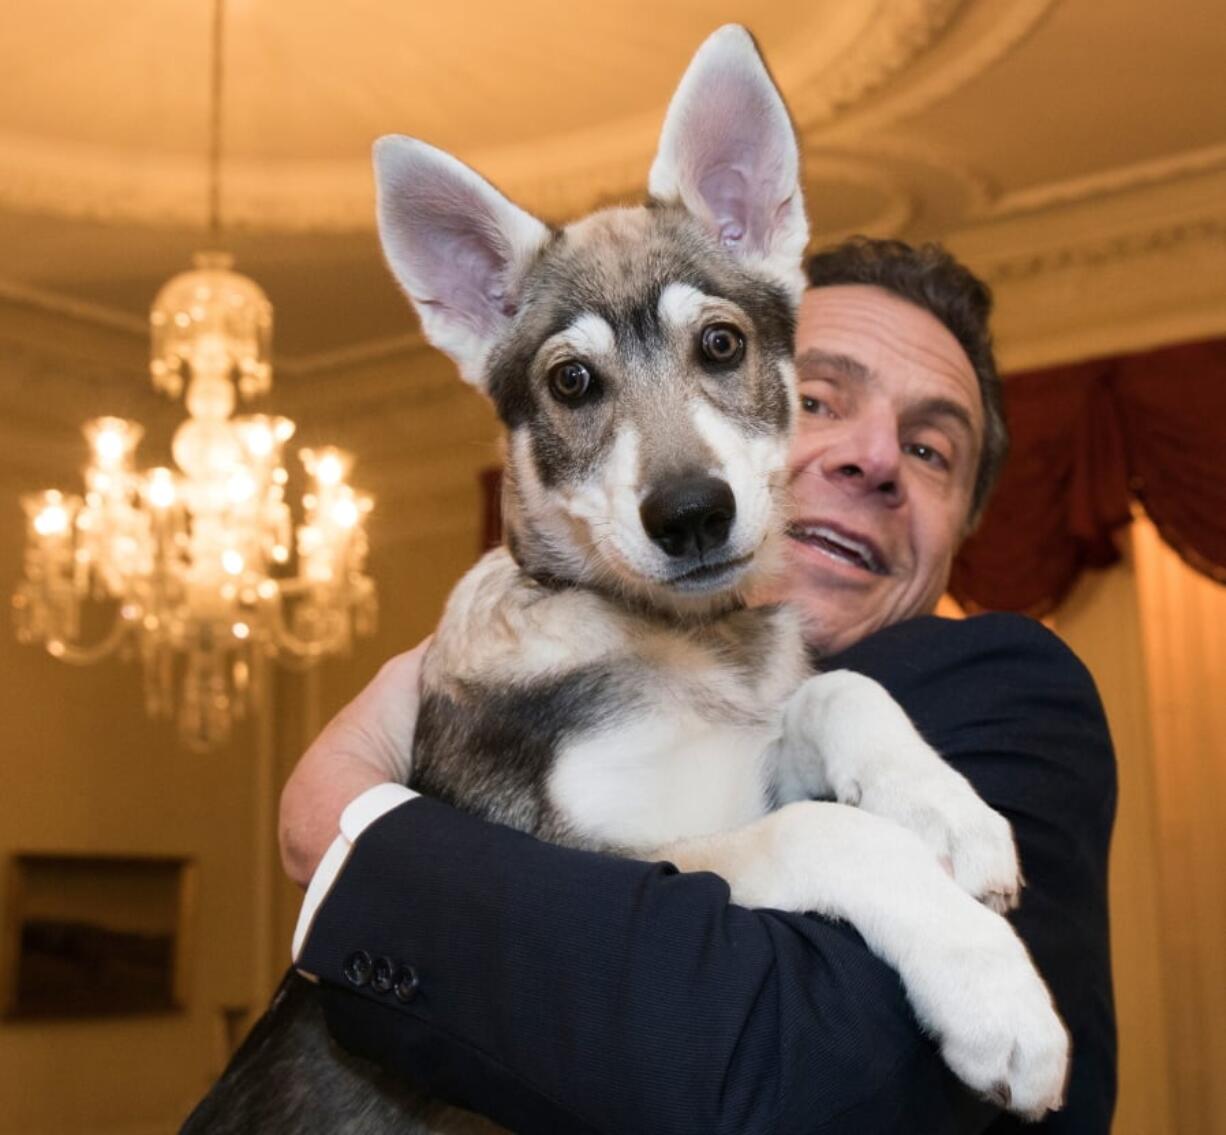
(664, 776)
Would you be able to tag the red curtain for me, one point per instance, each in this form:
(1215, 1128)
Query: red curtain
(1086, 439)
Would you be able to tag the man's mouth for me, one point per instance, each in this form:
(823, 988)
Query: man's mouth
(840, 545)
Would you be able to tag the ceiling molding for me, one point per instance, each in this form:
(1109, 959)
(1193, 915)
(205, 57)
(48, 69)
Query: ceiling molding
(977, 188)
(67, 307)
(1166, 238)
(1134, 269)
(895, 36)
(1159, 293)
(1120, 179)
(355, 355)
(1007, 25)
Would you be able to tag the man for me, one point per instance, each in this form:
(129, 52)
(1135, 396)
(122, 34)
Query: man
(557, 990)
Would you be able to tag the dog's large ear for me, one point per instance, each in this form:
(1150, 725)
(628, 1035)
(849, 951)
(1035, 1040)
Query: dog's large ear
(728, 153)
(457, 246)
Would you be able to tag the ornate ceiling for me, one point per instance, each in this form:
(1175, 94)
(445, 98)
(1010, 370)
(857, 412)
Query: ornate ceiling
(1030, 133)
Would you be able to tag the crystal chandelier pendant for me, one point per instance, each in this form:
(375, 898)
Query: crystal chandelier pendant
(211, 318)
(201, 567)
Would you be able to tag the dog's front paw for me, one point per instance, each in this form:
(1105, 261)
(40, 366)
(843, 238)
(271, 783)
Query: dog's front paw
(972, 841)
(873, 757)
(996, 1026)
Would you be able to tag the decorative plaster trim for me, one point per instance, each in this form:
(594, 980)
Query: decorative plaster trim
(1112, 292)
(358, 354)
(980, 190)
(54, 303)
(1119, 179)
(1124, 246)
(1009, 31)
(897, 34)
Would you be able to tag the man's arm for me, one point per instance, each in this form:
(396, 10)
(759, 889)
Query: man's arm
(563, 990)
(368, 743)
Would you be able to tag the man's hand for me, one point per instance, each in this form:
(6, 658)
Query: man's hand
(369, 742)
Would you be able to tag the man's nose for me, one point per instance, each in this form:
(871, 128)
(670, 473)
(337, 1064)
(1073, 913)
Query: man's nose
(867, 459)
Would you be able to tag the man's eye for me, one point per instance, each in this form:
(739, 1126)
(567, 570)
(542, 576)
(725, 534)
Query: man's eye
(928, 455)
(811, 405)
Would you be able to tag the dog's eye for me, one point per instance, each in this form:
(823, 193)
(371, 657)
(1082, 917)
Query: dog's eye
(571, 382)
(723, 344)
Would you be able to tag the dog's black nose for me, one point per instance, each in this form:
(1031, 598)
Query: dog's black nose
(690, 515)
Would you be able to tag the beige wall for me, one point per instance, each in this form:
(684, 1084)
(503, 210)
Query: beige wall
(85, 771)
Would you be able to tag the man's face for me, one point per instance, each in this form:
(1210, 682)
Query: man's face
(883, 464)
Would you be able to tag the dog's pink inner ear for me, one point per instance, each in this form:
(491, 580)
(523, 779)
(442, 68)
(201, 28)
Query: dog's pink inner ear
(726, 191)
(455, 244)
(460, 263)
(728, 151)
(447, 251)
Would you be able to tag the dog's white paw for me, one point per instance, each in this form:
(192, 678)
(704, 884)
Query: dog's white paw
(972, 841)
(874, 758)
(993, 1018)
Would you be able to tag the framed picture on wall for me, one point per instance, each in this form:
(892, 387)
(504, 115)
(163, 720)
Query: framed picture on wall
(94, 936)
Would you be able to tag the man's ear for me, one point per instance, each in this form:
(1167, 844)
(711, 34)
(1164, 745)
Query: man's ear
(728, 153)
(457, 246)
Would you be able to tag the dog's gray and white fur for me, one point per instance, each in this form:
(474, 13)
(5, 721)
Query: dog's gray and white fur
(599, 681)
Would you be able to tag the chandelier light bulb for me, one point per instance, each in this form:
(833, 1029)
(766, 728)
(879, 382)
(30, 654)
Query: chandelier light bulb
(345, 512)
(241, 486)
(160, 489)
(113, 441)
(109, 448)
(261, 441)
(329, 470)
(52, 517)
(329, 464)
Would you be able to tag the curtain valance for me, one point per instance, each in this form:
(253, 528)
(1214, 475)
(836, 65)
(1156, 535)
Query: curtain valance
(1087, 439)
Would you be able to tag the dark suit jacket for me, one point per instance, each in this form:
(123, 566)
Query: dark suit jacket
(568, 991)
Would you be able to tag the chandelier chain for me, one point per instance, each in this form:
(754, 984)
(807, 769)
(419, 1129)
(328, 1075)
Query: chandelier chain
(216, 88)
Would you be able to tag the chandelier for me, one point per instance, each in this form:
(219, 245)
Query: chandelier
(199, 570)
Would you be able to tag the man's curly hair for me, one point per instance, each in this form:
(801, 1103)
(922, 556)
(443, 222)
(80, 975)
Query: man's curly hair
(929, 277)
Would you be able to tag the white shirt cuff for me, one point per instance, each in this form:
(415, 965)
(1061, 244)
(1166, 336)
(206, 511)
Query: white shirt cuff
(358, 815)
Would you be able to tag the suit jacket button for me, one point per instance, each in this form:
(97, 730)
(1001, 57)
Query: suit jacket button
(382, 975)
(357, 968)
(406, 983)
